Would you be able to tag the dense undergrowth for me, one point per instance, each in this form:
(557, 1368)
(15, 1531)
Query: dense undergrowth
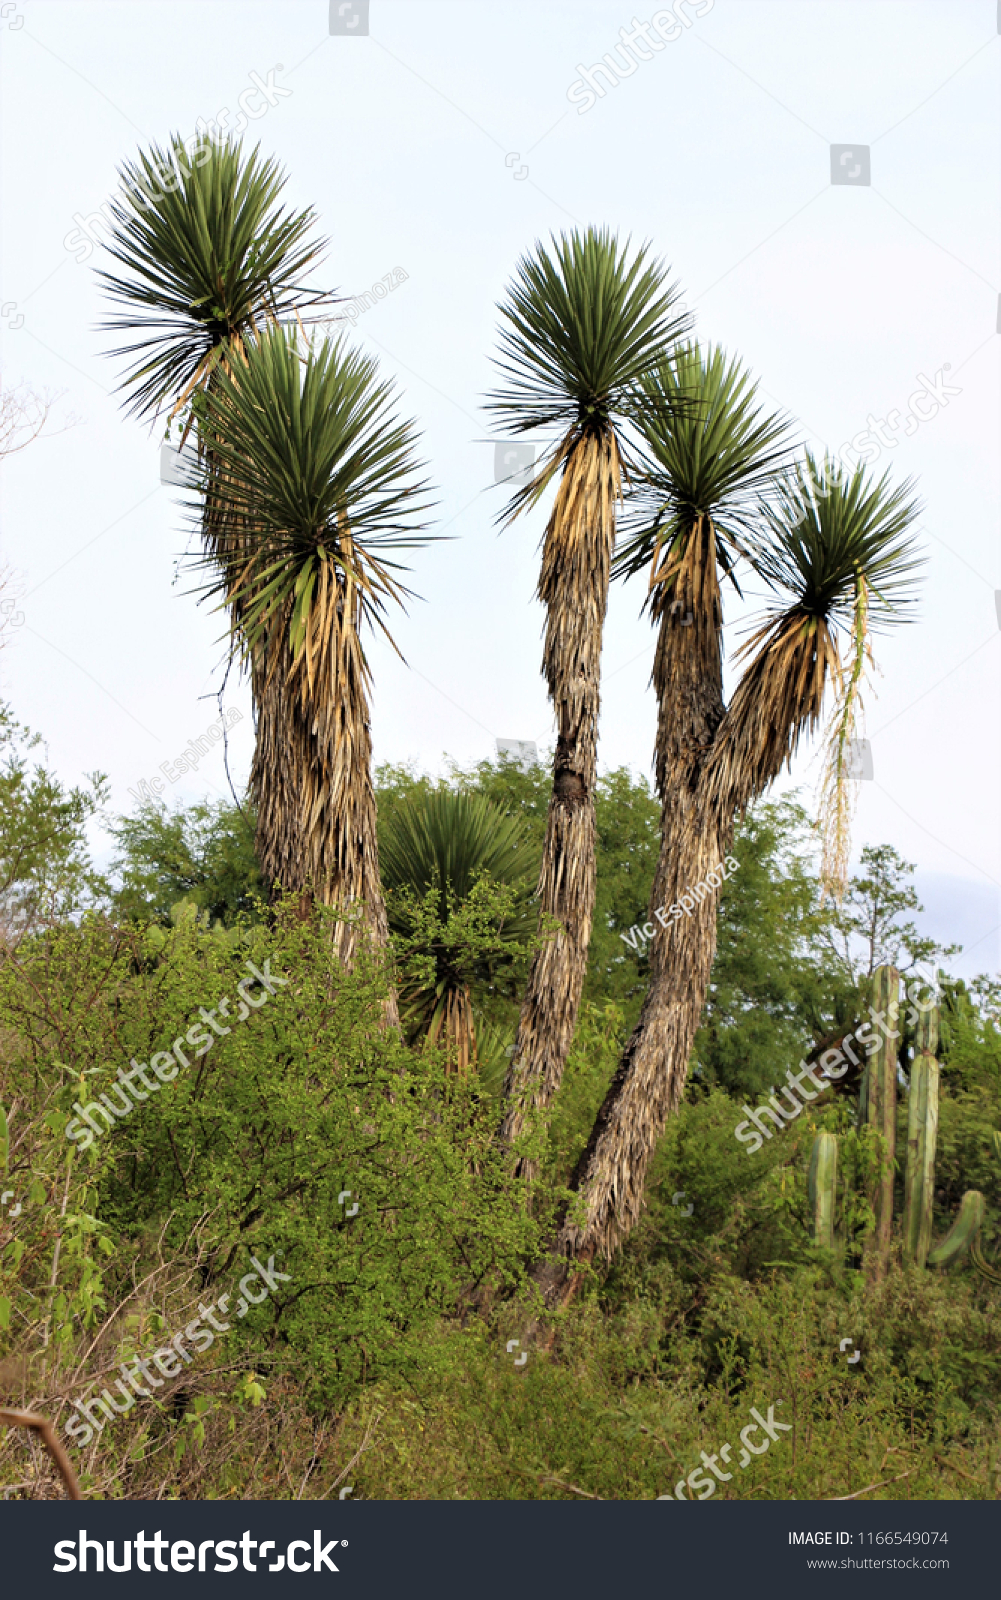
(380, 1360)
(362, 1174)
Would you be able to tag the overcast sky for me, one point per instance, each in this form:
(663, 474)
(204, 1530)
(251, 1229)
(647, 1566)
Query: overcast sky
(443, 141)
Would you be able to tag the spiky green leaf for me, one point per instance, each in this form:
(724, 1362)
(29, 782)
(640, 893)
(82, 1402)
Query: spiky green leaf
(709, 450)
(208, 262)
(314, 469)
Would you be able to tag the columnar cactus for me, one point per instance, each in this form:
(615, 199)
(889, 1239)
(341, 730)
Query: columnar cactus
(823, 1187)
(878, 1104)
(964, 1232)
(922, 1135)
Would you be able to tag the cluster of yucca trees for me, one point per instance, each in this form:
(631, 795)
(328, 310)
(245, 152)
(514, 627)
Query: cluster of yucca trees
(307, 484)
(663, 463)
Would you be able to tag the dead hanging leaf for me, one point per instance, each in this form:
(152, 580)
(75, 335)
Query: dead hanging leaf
(838, 794)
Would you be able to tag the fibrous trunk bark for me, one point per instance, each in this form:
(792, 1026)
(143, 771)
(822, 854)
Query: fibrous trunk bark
(576, 568)
(456, 1029)
(311, 781)
(281, 754)
(650, 1079)
(711, 763)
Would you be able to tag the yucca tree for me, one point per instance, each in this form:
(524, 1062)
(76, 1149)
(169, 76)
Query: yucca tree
(207, 259)
(461, 852)
(582, 324)
(322, 479)
(839, 551)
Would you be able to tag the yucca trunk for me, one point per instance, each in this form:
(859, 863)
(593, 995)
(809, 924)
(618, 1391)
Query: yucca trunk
(711, 762)
(455, 1029)
(573, 585)
(312, 773)
(282, 752)
(650, 1079)
(338, 796)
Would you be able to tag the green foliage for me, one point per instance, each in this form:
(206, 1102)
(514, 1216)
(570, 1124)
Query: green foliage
(202, 853)
(305, 1098)
(447, 948)
(870, 915)
(828, 529)
(627, 821)
(45, 866)
(627, 843)
(320, 478)
(593, 1058)
(582, 324)
(637, 1385)
(53, 1259)
(459, 879)
(388, 1335)
(770, 997)
(711, 452)
(965, 1155)
(970, 1037)
(784, 979)
(206, 263)
(448, 840)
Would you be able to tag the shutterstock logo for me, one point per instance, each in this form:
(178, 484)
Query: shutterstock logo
(73, 1554)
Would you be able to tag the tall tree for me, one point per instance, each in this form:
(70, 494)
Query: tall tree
(582, 325)
(208, 258)
(321, 479)
(202, 853)
(867, 933)
(45, 866)
(840, 552)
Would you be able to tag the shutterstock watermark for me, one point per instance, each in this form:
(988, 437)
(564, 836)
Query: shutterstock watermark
(514, 462)
(699, 1479)
(637, 936)
(9, 618)
(167, 1063)
(588, 89)
(196, 750)
(866, 446)
(359, 303)
(169, 1357)
(926, 402)
(263, 91)
(828, 1065)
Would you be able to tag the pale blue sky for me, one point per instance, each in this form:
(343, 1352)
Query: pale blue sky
(412, 143)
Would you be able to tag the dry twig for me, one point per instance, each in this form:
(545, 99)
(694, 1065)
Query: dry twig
(43, 1427)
